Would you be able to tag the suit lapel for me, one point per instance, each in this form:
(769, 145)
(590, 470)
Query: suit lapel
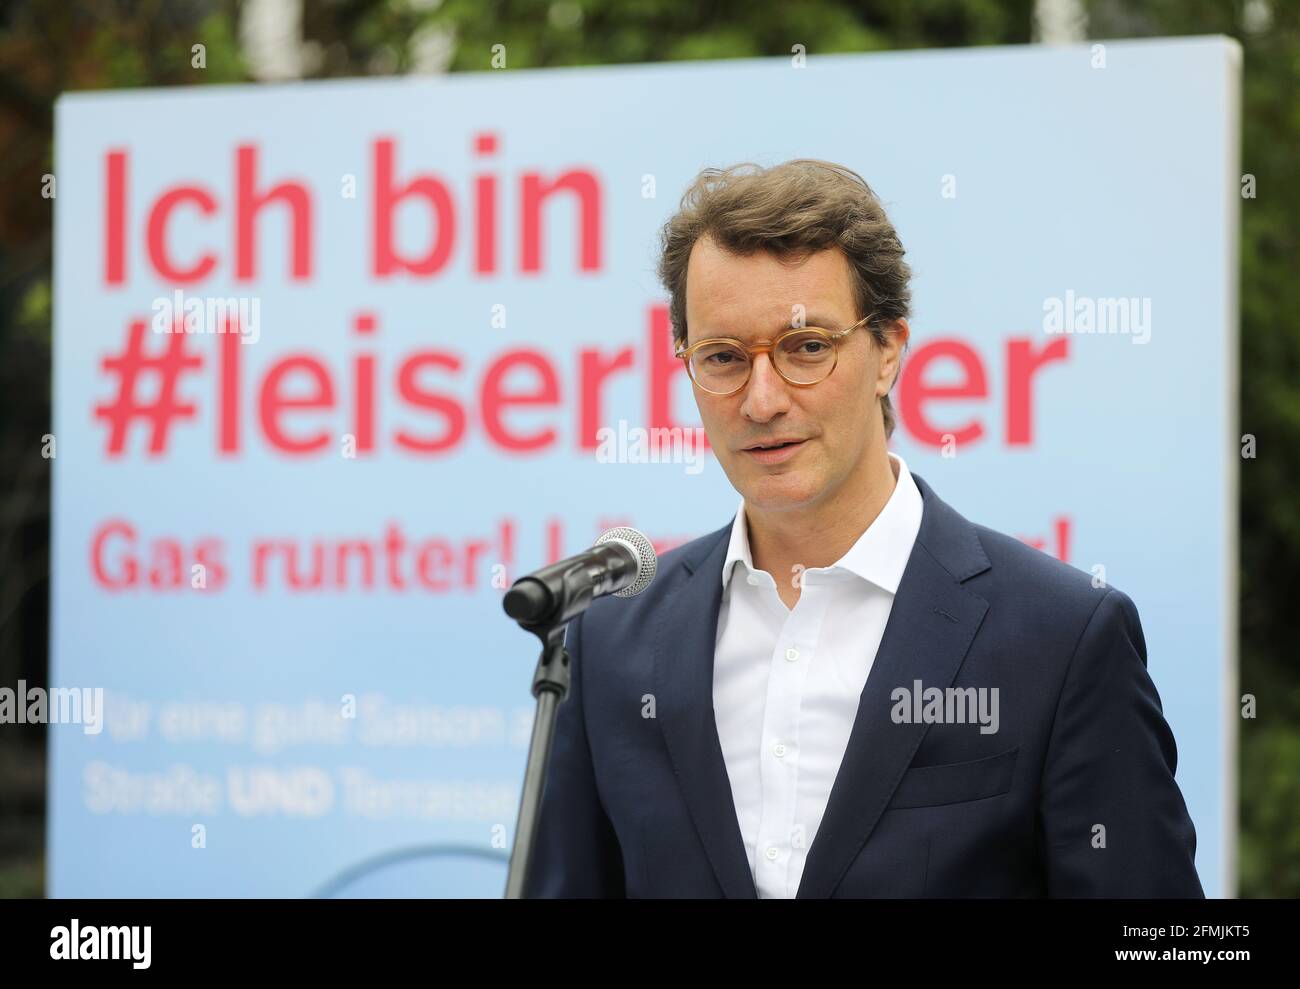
(683, 648)
(931, 626)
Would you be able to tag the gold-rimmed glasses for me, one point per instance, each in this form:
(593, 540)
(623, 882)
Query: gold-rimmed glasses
(802, 356)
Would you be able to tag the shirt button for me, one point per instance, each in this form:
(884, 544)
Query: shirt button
(753, 579)
(772, 852)
(792, 654)
(779, 749)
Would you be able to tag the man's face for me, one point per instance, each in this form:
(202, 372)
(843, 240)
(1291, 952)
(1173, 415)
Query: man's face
(837, 420)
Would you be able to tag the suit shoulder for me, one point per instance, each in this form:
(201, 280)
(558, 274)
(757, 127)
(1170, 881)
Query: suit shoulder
(1039, 577)
(693, 550)
(1042, 600)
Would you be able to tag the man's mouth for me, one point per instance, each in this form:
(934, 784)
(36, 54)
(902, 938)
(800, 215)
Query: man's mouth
(775, 451)
(772, 444)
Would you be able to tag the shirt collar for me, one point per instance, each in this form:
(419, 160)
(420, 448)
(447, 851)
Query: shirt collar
(880, 554)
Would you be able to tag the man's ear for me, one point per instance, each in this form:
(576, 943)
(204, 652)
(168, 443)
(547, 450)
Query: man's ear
(891, 355)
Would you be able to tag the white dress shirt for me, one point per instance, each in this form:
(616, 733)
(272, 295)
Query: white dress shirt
(786, 683)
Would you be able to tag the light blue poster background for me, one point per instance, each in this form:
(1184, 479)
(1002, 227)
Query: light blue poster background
(226, 766)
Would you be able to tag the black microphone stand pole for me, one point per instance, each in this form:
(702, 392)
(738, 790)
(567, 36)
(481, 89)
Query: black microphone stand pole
(550, 687)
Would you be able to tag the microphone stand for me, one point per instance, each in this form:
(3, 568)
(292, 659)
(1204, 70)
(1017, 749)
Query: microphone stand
(545, 602)
(550, 687)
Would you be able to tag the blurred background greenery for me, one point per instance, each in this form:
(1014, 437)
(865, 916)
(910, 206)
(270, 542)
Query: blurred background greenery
(49, 48)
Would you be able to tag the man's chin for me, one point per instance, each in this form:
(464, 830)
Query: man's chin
(780, 492)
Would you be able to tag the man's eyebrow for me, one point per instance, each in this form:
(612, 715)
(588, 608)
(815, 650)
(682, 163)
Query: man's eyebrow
(822, 320)
(818, 319)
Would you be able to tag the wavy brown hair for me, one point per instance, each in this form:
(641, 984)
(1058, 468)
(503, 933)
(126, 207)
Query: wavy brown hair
(792, 210)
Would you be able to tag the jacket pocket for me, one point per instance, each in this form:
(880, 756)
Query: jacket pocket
(955, 782)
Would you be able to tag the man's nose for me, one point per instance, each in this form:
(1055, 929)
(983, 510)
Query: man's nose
(766, 393)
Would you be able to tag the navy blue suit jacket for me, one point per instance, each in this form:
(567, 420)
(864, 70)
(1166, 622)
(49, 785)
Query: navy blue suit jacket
(1074, 795)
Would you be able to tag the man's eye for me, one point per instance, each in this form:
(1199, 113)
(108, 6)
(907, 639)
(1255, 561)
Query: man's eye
(721, 359)
(810, 348)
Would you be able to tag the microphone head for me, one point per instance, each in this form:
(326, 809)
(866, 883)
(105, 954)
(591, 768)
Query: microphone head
(647, 563)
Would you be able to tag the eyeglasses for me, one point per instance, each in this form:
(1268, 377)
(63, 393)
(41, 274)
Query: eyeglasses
(803, 356)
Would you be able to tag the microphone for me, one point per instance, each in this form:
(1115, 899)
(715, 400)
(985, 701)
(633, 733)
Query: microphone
(622, 563)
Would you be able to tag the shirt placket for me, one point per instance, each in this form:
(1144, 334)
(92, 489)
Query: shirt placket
(779, 833)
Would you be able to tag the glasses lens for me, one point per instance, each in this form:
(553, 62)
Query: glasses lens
(720, 367)
(806, 357)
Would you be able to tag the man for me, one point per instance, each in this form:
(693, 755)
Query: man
(850, 690)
